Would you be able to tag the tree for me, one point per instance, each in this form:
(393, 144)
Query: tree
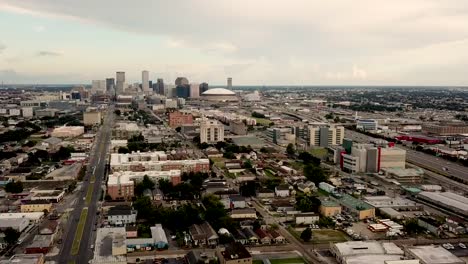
(307, 158)
(229, 155)
(144, 207)
(123, 150)
(290, 149)
(315, 174)
(248, 164)
(178, 129)
(306, 235)
(307, 203)
(14, 187)
(329, 116)
(117, 112)
(204, 145)
(326, 221)
(11, 236)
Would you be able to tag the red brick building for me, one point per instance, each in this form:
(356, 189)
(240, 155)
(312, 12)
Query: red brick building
(177, 119)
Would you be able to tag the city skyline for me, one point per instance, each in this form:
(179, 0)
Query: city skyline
(298, 43)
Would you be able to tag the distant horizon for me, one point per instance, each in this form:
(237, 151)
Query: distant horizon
(302, 42)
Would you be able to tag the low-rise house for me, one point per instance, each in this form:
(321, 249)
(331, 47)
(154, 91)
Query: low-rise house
(282, 191)
(36, 206)
(121, 215)
(240, 237)
(263, 236)
(237, 201)
(265, 193)
(235, 253)
(306, 218)
(131, 231)
(277, 237)
(247, 213)
(17, 224)
(40, 244)
(250, 235)
(203, 234)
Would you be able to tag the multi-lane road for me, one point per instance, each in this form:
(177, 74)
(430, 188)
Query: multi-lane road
(93, 179)
(430, 162)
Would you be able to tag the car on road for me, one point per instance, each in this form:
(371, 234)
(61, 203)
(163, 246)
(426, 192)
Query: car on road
(461, 245)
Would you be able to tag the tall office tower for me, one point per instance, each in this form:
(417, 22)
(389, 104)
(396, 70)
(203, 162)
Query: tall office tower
(194, 90)
(98, 86)
(110, 84)
(159, 87)
(229, 83)
(183, 91)
(119, 86)
(145, 81)
(203, 87)
(325, 135)
(181, 81)
(170, 90)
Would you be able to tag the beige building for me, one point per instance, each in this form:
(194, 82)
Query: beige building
(67, 131)
(235, 253)
(36, 206)
(211, 131)
(329, 208)
(92, 118)
(238, 127)
(323, 135)
(392, 158)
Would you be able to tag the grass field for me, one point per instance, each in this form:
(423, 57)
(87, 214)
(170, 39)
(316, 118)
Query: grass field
(321, 236)
(320, 153)
(263, 121)
(79, 232)
(328, 235)
(218, 162)
(89, 194)
(287, 261)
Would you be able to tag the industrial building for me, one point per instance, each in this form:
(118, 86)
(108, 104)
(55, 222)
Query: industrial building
(177, 119)
(67, 131)
(371, 158)
(452, 202)
(357, 207)
(432, 254)
(359, 252)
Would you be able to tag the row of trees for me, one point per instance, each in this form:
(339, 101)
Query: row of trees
(23, 130)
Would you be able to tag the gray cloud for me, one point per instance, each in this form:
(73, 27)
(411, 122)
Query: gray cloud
(298, 40)
(48, 53)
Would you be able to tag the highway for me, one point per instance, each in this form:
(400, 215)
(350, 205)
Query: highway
(429, 162)
(97, 163)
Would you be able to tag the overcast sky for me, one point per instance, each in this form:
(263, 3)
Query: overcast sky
(263, 42)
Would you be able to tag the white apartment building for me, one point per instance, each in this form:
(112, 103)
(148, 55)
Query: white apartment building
(154, 161)
(211, 131)
(27, 112)
(323, 135)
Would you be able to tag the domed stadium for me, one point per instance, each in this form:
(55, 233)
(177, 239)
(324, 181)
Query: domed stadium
(219, 94)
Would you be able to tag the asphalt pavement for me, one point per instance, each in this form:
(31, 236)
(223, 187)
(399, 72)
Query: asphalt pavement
(97, 163)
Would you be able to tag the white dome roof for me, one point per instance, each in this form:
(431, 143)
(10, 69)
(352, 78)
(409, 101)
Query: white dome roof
(218, 91)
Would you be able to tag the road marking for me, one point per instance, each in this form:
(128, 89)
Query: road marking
(79, 232)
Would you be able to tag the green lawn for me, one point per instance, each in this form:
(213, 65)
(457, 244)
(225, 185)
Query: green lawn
(297, 165)
(319, 152)
(89, 194)
(328, 235)
(269, 173)
(287, 261)
(79, 232)
(263, 121)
